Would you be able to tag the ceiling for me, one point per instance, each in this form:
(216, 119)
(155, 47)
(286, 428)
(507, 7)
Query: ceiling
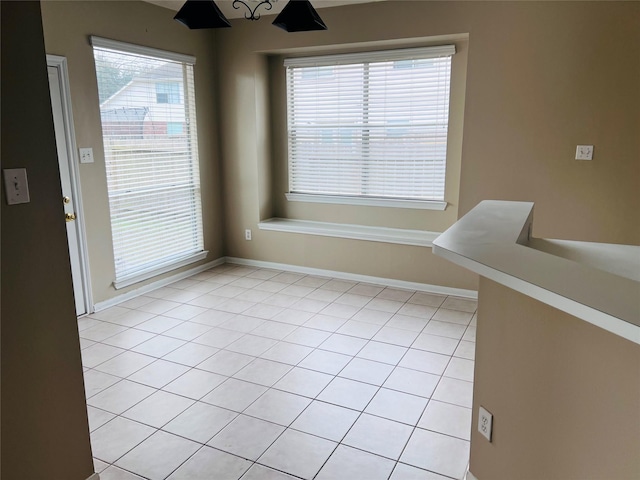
(227, 5)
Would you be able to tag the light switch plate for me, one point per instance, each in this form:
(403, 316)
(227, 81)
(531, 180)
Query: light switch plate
(86, 155)
(584, 152)
(16, 186)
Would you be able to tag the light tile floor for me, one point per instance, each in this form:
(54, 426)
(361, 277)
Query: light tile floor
(259, 374)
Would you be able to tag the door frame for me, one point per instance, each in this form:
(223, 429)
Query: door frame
(60, 64)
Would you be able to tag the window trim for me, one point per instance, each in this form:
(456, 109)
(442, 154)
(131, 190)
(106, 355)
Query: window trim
(373, 56)
(101, 42)
(366, 201)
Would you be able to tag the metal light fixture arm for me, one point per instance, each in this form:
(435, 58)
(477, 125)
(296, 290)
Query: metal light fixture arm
(251, 12)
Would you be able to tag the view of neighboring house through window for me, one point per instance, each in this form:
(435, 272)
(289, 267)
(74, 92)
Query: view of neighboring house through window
(168, 92)
(147, 108)
(370, 125)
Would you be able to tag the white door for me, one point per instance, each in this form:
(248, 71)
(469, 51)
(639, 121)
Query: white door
(69, 181)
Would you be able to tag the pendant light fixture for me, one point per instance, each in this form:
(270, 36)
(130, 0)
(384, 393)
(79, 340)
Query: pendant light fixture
(201, 14)
(299, 16)
(296, 16)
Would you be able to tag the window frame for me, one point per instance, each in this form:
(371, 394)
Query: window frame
(171, 261)
(411, 54)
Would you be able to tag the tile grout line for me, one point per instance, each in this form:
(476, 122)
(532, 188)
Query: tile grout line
(368, 341)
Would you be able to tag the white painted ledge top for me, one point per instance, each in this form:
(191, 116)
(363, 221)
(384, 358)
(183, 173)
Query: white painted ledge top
(598, 283)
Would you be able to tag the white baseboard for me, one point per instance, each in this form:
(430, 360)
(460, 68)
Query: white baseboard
(470, 476)
(95, 476)
(387, 282)
(156, 285)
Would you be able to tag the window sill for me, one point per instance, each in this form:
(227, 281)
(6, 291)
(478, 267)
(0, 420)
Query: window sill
(399, 236)
(369, 202)
(167, 267)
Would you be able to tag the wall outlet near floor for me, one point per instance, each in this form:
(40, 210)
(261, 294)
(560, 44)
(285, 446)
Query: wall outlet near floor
(485, 423)
(247, 234)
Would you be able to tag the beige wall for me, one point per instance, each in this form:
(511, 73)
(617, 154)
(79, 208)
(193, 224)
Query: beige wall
(544, 77)
(67, 27)
(45, 434)
(540, 78)
(564, 394)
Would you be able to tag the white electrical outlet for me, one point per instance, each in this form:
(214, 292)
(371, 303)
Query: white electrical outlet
(584, 152)
(485, 423)
(247, 234)
(86, 155)
(16, 186)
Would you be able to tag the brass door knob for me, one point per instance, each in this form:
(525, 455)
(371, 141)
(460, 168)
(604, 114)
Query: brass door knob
(66, 200)
(69, 217)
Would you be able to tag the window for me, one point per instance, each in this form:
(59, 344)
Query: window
(175, 128)
(369, 125)
(168, 92)
(151, 155)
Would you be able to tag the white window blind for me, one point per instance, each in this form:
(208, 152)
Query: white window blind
(147, 108)
(370, 124)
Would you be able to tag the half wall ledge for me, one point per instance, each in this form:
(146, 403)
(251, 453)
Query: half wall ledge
(595, 282)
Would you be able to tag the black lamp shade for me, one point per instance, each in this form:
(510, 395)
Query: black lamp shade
(299, 16)
(201, 14)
